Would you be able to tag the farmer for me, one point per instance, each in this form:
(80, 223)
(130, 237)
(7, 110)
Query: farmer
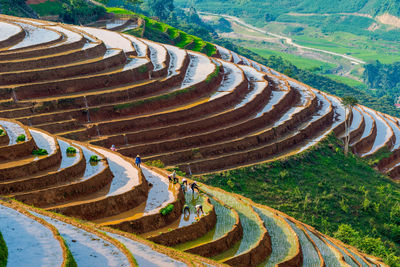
(199, 208)
(186, 209)
(112, 148)
(138, 160)
(174, 178)
(184, 181)
(194, 186)
(183, 188)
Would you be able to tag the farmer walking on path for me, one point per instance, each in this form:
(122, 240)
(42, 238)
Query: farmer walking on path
(138, 160)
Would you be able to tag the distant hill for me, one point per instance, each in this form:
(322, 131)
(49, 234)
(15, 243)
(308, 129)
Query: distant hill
(370, 7)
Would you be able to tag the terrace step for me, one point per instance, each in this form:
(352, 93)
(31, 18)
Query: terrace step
(311, 254)
(128, 189)
(115, 76)
(36, 36)
(231, 90)
(187, 227)
(89, 50)
(357, 125)
(254, 246)
(32, 164)
(146, 217)
(348, 258)
(96, 178)
(28, 241)
(87, 248)
(253, 126)
(159, 57)
(110, 39)
(110, 59)
(384, 133)
(365, 142)
(11, 34)
(71, 40)
(285, 243)
(59, 126)
(70, 167)
(227, 231)
(142, 49)
(262, 152)
(14, 150)
(331, 256)
(225, 53)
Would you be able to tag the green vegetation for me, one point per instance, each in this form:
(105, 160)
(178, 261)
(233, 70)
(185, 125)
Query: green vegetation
(155, 163)
(3, 252)
(94, 158)
(300, 62)
(21, 138)
(71, 150)
(2, 132)
(346, 81)
(70, 262)
(167, 210)
(16, 8)
(338, 190)
(70, 11)
(164, 33)
(383, 77)
(260, 10)
(39, 152)
(48, 8)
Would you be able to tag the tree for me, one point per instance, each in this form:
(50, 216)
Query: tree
(132, 3)
(161, 8)
(348, 102)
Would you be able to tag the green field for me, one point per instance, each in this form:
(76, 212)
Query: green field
(345, 80)
(298, 61)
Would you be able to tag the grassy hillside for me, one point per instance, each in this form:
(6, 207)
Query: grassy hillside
(339, 195)
(164, 33)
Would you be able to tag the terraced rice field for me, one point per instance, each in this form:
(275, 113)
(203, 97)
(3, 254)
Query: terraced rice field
(85, 89)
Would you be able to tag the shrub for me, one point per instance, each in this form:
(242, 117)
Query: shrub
(21, 138)
(2, 132)
(71, 150)
(167, 210)
(39, 152)
(94, 158)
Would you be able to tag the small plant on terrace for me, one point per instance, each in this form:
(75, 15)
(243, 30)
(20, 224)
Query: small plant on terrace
(40, 152)
(94, 158)
(71, 150)
(21, 138)
(167, 210)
